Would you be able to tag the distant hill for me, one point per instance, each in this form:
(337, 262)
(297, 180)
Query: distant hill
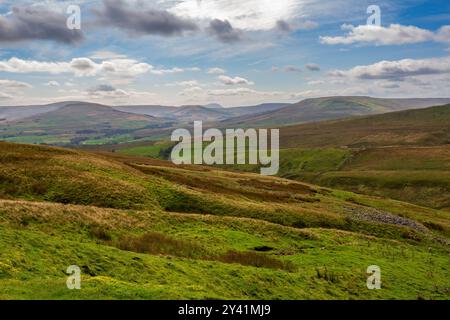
(180, 114)
(213, 106)
(403, 155)
(150, 110)
(12, 113)
(89, 116)
(429, 126)
(71, 122)
(205, 113)
(76, 122)
(256, 109)
(199, 113)
(329, 108)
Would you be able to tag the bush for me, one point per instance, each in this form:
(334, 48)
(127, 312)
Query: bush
(157, 243)
(100, 233)
(325, 274)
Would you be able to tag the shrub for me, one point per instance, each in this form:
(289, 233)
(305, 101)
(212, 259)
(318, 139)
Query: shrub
(434, 226)
(157, 243)
(100, 233)
(325, 274)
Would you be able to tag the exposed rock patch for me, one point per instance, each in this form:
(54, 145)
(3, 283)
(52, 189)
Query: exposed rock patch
(375, 215)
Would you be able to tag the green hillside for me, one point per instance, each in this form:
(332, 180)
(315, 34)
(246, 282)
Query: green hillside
(329, 108)
(401, 155)
(146, 229)
(428, 126)
(77, 123)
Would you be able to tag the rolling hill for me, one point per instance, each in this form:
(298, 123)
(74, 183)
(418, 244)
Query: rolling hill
(213, 106)
(212, 112)
(150, 110)
(146, 229)
(72, 123)
(189, 114)
(429, 126)
(329, 108)
(403, 155)
(14, 113)
(181, 114)
(256, 109)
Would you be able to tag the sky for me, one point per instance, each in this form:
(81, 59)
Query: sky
(231, 52)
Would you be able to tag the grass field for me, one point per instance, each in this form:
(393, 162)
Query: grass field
(79, 124)
(41, 139)
(413, 174)
(146, 229)
(153, 150)
(401, 155)
(422, 127)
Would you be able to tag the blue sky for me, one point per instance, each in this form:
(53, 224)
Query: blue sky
(176, 52)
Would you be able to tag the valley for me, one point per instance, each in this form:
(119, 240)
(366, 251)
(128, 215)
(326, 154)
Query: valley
(350, 193)
(402, 155)
(225, 159)
(98, 125)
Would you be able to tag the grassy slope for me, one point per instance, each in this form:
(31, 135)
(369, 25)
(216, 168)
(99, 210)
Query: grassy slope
(150, 150)
(329, 108)
(412, 127)
(403, 155)
(100, 124)
(413, 174)
(40, 240)
(312, 230)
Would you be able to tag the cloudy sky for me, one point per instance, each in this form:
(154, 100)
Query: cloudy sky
(232, 52)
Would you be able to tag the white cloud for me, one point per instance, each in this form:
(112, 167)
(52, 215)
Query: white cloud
(4, 96)
(16, 65)
(11, 84)
(106, 55)
(229, 81)
(120, 68)
(313, 67)
(216, 71)
(237, 95)
(388, 85)
(107, 91)
(187, 83)
(287, 69)
(241, 92)
(173, 70)
(443, 34)
(397, 69)
(52, 84)
(404, 78)
(395, 34)
(246, 15)
(191, 91)
(161, 72)
(125, 67)
(315, 82)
